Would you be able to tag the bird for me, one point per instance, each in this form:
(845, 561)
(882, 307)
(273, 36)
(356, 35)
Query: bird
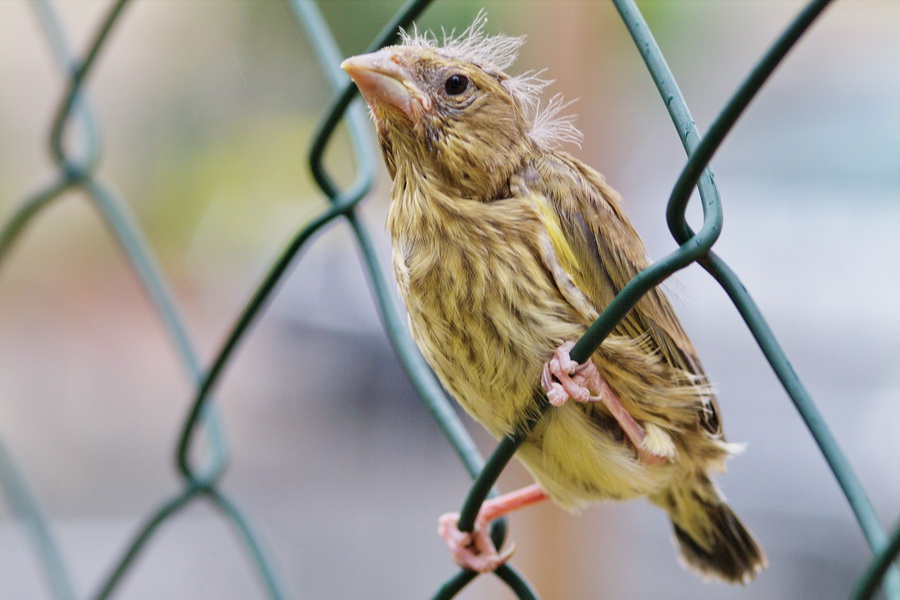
(505, 249)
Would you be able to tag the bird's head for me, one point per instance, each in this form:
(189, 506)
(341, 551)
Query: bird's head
(450, 111)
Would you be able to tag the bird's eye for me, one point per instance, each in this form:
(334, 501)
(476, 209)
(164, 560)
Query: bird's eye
(456, 84)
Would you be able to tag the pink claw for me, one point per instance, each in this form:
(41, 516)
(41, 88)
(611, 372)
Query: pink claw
(476, 551)
(473, 551)
(563, 378)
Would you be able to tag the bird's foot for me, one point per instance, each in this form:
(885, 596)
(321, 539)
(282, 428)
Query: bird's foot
(563, 378)
(474, 551)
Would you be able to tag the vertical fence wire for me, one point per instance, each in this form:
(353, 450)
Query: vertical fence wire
(75, 170)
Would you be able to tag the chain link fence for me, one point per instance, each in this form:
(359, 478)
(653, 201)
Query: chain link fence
(203, 452)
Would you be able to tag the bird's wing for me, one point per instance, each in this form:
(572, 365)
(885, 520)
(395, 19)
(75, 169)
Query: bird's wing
(601, 252)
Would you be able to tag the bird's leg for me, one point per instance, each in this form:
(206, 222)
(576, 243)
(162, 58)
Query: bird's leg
(475, 551)
(563, 378)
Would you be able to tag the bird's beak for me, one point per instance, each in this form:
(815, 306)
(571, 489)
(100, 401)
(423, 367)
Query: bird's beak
(383, 79)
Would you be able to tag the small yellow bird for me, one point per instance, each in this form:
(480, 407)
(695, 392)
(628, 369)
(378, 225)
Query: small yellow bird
(505, 250)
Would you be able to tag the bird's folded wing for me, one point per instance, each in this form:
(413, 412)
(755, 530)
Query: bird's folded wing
(601, 252)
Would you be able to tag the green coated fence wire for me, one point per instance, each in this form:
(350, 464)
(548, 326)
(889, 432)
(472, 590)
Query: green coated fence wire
(74, 117)
(25, 506)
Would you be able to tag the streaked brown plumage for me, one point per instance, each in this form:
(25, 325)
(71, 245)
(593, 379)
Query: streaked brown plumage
(505, 249)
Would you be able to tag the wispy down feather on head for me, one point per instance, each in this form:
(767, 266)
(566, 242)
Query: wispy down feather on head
(491, 53)
(494, 54)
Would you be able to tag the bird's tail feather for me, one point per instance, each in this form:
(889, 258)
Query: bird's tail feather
(711, 539)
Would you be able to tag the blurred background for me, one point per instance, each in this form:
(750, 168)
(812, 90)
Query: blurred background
(206, 111)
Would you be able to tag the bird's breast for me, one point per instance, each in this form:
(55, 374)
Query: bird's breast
(483, 307)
